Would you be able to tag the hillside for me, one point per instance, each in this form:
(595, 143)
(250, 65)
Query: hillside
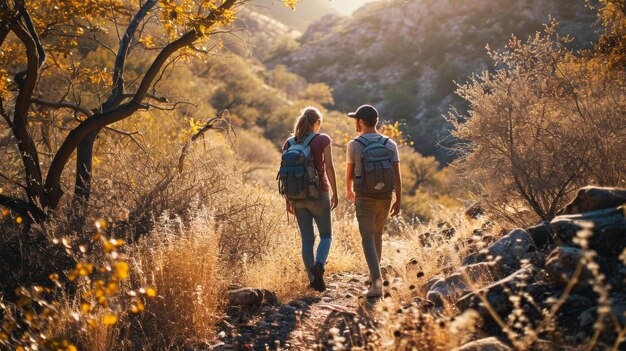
(299, 19)
(404, 57)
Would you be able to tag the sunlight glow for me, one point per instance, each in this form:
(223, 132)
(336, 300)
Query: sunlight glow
(346, 7)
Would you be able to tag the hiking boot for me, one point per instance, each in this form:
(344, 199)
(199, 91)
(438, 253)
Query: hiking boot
(318, 277)
(376, 289)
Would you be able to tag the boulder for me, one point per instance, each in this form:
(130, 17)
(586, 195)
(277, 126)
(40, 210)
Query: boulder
(592, 198)
(459, 284)
(561, 265)
(497, 293)
(508, 251)
(449, 288)
(607, 228)
(486, 344)
(482, 272)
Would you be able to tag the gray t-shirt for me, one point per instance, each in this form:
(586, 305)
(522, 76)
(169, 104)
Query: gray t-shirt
(355, 150)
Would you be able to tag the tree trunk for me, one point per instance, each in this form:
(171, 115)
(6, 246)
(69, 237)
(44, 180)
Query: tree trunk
(82, 186)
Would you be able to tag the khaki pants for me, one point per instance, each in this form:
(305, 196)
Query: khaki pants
(371, 214)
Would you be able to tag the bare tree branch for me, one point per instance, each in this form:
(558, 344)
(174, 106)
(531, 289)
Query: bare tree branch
(162, 99)
(173, 107)
(12, 181)
(100, 120)
(17, 205)
(120, 59)
(68, 105)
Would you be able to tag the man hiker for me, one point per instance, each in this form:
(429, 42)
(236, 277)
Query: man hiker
(372, 175)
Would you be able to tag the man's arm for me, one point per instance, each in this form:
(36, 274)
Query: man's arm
(395, 208)
(350, 172)
(349, 181)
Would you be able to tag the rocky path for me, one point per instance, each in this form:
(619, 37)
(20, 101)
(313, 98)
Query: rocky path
(313, 321)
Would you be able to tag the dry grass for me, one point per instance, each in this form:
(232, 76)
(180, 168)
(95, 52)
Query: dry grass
(182, 262)
(417, 258)
(281, 268)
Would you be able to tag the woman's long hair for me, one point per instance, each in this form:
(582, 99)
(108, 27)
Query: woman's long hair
(304, 123)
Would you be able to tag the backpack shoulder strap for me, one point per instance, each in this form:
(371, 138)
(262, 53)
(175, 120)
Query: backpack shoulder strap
(308, 139)
(291, 141)
(386, 140)
(362, 140)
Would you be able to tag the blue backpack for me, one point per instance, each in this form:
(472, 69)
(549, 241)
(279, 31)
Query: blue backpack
(297, 177)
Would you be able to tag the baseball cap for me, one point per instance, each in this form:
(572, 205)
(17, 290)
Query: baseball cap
(367, 112)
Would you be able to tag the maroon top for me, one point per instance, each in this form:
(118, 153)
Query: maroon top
(318, 144)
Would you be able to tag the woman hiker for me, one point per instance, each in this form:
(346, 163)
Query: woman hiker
(306, 130)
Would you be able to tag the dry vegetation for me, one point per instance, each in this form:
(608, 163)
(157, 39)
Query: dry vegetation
(186, 231)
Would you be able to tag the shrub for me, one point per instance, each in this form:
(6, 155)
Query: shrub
(542, 126)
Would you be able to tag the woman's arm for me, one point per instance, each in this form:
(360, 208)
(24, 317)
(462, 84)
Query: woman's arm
(330, 173)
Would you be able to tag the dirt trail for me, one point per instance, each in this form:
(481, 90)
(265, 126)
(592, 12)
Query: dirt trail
(303, 323)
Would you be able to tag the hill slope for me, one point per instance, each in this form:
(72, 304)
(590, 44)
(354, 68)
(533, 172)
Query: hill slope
(404, 56)
(305, 13)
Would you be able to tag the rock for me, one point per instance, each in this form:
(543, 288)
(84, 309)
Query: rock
(327, 299)
(496, 293)
(286, 309)
(270, 297)
(429, 284)
(561, 265)
(588, 317)
(458, 284)
(607, 226)
(299, 304)
(449, 288)
(474, 210)
(476, 257)
(486, 344)
(541, 234)
(592, 198)
(577, 301)
(482, 272)
(514, 247)
(508, 251)
(276, 316)
(245, 297)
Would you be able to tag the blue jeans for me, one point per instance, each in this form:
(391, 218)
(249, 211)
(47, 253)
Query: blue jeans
(319, 210)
